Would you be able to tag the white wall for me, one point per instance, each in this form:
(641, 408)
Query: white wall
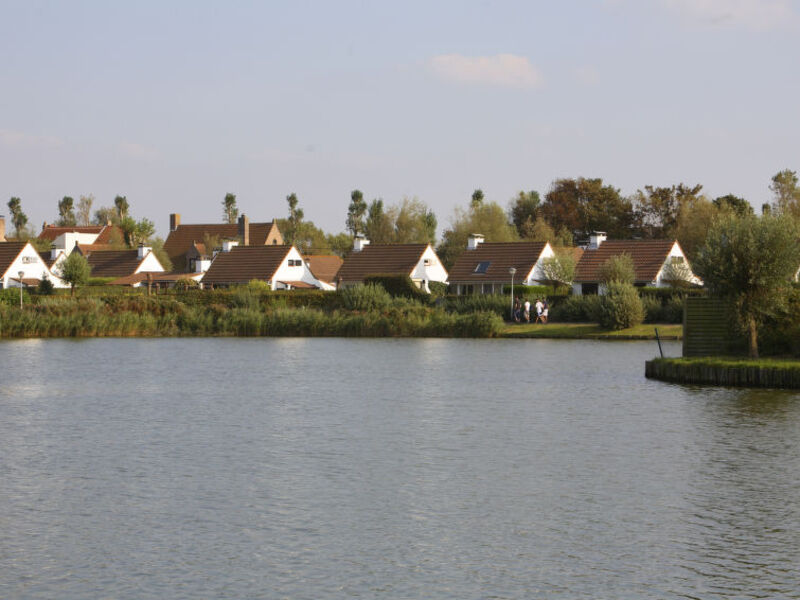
(434, 271)
(33, 267)
(149, 263)
(296, 273)
(536, 274)
(674, 251)
(66, 241)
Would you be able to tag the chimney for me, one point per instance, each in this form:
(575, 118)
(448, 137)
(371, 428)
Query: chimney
(54, 252)
(228, 245)
(595, 239)
(143, 250)
(359, 242)
(244, 230)
(174, 221)
(475, 240)
(2, 228)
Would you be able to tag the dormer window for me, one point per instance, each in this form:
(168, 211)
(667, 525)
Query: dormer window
(482, 266)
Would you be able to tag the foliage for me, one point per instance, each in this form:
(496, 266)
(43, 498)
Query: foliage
(106, 214)
(558, 270)
(136, 232)
(186, 284)
(620, 307)
(522, 211)
(45, 287)
(364, 297)
(499, 304)
(378, 226)
(340, 244)
(576, 309)
(413, 222)
(157, 245)
(292, 223)
(438, 289)
(786, 193)
(541, 231)
(694, 221)
(677, 272)
(657, 209)
(397, 285)
(749, 261)
(731, 203)
(18, 218)
(355, 213)
(477, 198)
(10, 297)
(586, 205)
(531, 291)
(617, 269)
(74, 270)
(122, 207)
(66, 212)
(84, 214)
(229, 210)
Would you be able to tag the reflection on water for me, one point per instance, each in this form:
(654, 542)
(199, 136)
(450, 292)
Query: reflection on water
(330, 468)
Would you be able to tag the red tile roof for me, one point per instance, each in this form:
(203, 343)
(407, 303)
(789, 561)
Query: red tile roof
(324, 266)
(648, 257)
(106, 234)
(501, 256)
(380, 259)
(182, 238)
(245, 263)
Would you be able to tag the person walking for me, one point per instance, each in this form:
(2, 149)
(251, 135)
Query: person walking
(539, 309)
(545, 311)
(527, 312)
(515, 312)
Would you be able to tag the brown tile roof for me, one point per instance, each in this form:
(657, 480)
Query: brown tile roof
(245, 263)
(112, 263)
(374, 259)
(180, 240)
(648, 257)
(501, 256)
(48, 260)
(9, 251)
(324, 266)
(28, 282)
(302, 285)
(106, 234)
(142, 276)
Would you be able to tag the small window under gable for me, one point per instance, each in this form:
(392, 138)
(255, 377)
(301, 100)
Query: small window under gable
(295, 262)
(427, 262)
(482, 266)
(676, 260)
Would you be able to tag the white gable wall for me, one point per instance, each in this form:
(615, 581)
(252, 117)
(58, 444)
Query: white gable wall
(677, 252)
(149, 264)
(67, 241)
(536, 274)
(433, 271)
(299, 271)
(31, 264)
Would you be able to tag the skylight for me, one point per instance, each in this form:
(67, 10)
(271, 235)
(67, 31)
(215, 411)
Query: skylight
(482, 267)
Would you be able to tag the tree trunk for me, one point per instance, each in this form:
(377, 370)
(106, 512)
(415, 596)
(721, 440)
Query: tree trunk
(753, 330)
(72, 289)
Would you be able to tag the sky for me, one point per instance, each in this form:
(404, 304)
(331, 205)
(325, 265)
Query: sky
(173, 104)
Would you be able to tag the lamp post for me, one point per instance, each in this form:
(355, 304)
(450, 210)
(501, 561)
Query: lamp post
(511, 272)
(21, 275)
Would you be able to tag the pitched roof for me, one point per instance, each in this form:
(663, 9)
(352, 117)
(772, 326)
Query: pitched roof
(648, 257)
(155, 277)
(181, 239)
(112, 263)
(373, 259)
(324, 266)
(500, 256)
(9, 251)
(106, 234)
(245, 263)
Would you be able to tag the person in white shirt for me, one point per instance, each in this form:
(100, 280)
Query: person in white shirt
(539, 309)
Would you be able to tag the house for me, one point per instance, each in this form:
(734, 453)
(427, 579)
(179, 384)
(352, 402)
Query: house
(158, 280)
(65, 238)
(282, 267)
(120, 263)
(652, 262)
(484, 268)
(185, 244)
(21, 266)
(324, 267)
(418, 261)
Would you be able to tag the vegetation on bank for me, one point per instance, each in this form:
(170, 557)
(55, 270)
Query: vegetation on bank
(592, 331)
(727, 371)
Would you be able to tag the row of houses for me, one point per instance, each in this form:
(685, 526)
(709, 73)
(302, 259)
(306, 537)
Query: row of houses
(221, 255)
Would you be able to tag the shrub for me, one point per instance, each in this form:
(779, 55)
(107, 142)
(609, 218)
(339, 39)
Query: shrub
(576, 309)
(365, 297)
(397, 285)
(618, 269)
(621, 307)
(438, 289)
(45, 287)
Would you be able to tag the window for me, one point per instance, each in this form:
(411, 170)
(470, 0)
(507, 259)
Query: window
(26, 260)
(676, 260)
(295, 262)
(482, 267)
(427, 262)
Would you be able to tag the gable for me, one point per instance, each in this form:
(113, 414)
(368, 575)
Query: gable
(648, 257)
(381, 259)
(490, 261)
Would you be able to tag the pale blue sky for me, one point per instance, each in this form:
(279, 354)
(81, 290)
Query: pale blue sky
(173, 104)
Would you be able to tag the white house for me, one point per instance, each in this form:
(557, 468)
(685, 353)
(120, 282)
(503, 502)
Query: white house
(21, 266)
(282, 267)
(485, 267)
(120, 263)
(419, 261)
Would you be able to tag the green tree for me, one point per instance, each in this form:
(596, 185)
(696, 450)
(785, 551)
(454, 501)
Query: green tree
(735, 204)
(477, 197)
(355, 213)
(617, 269)
(105, 215)
(66, 212)
(559, 270)
(137, 232)
(378, 226)
(157, 245)
(122, 207)
(523, 209)
(414, 222)
(586, 205)
(620, 307)
(750, 261)
(18, 218)
(540, 231)
(84, 216)
(340, 244)
(75, 270)
(229, 210)
(294, 220)
(486, 218)
(786, 193)
(694, 221)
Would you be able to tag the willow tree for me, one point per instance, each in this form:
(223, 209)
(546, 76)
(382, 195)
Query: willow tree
(750, 261)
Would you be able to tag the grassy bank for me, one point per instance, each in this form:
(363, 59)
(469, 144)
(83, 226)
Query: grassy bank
(591, 331)
(727, 371)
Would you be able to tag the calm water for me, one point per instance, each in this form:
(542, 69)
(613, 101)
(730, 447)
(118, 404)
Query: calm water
(331, 468)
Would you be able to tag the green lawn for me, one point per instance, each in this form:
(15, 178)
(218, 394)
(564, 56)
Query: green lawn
(592, 331)
(735, 361)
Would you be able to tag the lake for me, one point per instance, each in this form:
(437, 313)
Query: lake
(391, 468)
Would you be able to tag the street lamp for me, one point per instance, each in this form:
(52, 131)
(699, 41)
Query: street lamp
(21, 275)
(511, 272)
